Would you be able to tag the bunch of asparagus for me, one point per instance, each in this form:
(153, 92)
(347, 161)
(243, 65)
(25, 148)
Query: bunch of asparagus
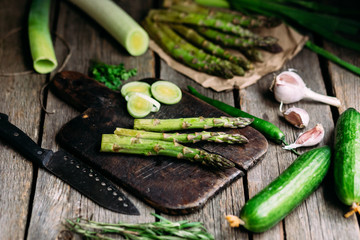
(154, 141)
(198, 37)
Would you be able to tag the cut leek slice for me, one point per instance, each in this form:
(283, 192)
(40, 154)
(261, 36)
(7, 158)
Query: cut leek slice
(140, 105)
(135, 86)
(166, 92)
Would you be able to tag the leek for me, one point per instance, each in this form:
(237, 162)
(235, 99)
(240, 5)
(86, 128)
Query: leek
(118, 23)
(41, 46)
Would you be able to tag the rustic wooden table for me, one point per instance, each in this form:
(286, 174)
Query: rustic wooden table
(34, 203)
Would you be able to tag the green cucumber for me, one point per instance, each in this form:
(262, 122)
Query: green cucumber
(166, 92)
(135, 86)
(347, 159)
(286, 192)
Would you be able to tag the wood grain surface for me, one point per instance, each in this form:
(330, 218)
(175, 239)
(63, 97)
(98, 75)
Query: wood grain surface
(162, 182)
(34, 204)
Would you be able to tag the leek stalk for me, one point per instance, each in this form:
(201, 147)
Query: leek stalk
(41, 46)
(118, 23)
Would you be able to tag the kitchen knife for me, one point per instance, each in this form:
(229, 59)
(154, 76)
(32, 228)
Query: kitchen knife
(74, 172)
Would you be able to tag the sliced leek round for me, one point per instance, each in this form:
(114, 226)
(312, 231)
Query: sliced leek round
(135, 86)
(140, 105)
(166, 92)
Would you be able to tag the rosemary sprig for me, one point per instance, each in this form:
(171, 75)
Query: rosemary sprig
(164, 229)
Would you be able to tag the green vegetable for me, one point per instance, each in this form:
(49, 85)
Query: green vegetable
(136, 86)
(218, 137)
(332, 57)
(111, 75)
(269, 130)
(286, 192)
(164, 125)
(140, 105)
(330, 27)
(41, 46)
(163, 229)
(200, 20)
(195, 38)
(186, 57)
(148, 147)
(326, 20)
(347, 159)
(118, 23)
(166, 92)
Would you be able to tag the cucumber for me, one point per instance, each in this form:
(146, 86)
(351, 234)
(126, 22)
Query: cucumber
(140, 105)
(166, 92)
(286, 192)
(347, 158)
(135, 86)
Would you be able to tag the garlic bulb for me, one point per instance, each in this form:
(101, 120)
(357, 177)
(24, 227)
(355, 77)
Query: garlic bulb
(289, 87)
(308, 138)
(297, 117)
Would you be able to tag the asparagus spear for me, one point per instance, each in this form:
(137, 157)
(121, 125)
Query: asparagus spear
(218, 137)
(227, 67)
(197, 39)
(148, 147)
(200, 20)
(267, 43)
(237, 18)
(164, 125)
(177, 53)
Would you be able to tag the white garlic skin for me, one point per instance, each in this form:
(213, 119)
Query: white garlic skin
(288, 87)
(298, 117)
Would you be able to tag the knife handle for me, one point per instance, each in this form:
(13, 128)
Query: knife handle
(22, 142)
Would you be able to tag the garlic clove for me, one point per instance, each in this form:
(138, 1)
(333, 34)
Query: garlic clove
(288, 87)
(298, 117)
(308, 138)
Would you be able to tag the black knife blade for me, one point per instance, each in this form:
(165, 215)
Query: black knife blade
(74, 172)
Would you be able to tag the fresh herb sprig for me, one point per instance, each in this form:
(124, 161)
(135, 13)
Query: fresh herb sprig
(164, 229)
(111, 75)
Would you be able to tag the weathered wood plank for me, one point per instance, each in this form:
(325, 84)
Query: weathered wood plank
(310, 220)
(227, 201)
(19, 100)
(54, 201)
(346, 85)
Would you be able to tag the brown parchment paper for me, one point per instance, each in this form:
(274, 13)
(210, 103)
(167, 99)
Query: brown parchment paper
(290, 40)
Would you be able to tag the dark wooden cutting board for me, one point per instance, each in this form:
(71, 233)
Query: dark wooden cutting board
(170, 185)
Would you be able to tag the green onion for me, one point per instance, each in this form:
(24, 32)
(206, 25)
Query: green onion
(118, 23)
(41, 46)
(327, 26)
(332, 57)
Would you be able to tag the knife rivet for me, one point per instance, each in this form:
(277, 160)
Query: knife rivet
(16, 134)
(72, 162)
(114, 193)
(77, 166)
(125, 205)
(109, 189)
(97, 179)
(103, 184)
(66, 158)
(84, 170)
(91, 175)
(120, 199)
